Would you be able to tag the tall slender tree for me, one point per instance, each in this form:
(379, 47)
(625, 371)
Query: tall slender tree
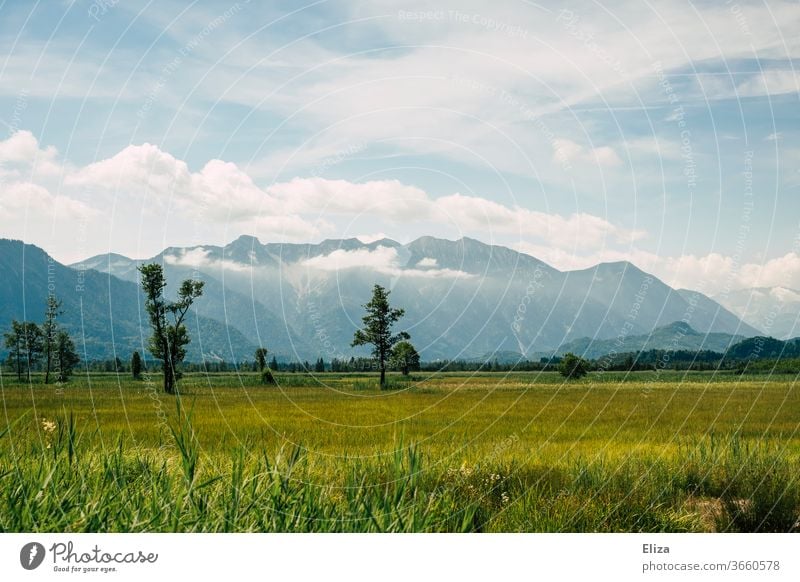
(377, 330)
(136, 365)
(169, 339)
(261, 359)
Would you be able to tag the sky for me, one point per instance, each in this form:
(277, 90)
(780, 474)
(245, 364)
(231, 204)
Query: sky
(665, 134)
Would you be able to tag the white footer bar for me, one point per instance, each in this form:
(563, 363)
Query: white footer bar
(404, 557)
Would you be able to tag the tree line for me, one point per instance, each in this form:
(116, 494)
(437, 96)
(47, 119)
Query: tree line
(46, 348)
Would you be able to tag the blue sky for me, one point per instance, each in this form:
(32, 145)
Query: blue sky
(664, 135)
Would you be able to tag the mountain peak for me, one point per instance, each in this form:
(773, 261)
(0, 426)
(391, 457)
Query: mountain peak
(384, 242)
(247, 240)
(678, 327)
(617, 266)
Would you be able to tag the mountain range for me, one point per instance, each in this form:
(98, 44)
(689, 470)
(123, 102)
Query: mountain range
(675, 336)
(462, 298)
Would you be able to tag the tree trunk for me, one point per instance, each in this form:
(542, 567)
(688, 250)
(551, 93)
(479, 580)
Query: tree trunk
(19, 362)
(383, 377)
(169, 377)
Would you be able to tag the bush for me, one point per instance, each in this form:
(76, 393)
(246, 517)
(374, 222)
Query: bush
(267, 377)
(572, 366)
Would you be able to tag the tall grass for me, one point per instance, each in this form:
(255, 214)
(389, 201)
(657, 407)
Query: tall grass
(72, 482)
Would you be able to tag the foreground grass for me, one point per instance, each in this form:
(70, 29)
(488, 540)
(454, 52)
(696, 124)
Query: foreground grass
(521, 452)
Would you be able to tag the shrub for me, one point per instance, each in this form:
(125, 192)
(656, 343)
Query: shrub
(572, 366)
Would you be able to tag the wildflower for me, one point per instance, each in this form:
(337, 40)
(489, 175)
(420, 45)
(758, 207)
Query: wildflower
(49, 427)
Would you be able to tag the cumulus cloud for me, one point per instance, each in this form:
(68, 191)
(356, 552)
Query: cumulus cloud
(300, 209)
(219, 193)
(136, 167)
(781, 271)
(22, 201)
(395, 201)
(22, 155)
(384, 260)
(721, 274)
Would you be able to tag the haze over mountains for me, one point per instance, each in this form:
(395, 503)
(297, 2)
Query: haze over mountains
(462, 298)
(773, 310)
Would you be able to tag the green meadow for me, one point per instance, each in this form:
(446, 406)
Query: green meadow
(457, 452)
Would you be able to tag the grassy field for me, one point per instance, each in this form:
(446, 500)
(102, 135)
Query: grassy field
(443, 452)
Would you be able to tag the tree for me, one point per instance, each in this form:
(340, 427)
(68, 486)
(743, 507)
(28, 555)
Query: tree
(169, 339)
(50, 333)
(14, 343)
(572, 366)
(65, 356)
(273, 364)
(404, 357)
(267, 377)
(319, 365)
(25, 343)
(136, 365)
(377, 330)
(261, 359)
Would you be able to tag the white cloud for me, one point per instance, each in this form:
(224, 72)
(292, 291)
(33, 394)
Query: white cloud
(566, 150)
(394, 201)
(769, 83)
(784, 295)
(198, 258)
(136, 168)
(778, 272)
(426, 263)
(713, 273)
(300, 209)
(384, 260)
(577, 230)
(31, 203)
(22, 153)
(297, 209)
(389, 198)
(220, 193)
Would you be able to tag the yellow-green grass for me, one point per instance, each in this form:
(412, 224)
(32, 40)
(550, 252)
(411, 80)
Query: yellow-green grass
(477, 452)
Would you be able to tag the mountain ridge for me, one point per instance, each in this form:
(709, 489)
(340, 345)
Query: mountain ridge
(462, 298)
